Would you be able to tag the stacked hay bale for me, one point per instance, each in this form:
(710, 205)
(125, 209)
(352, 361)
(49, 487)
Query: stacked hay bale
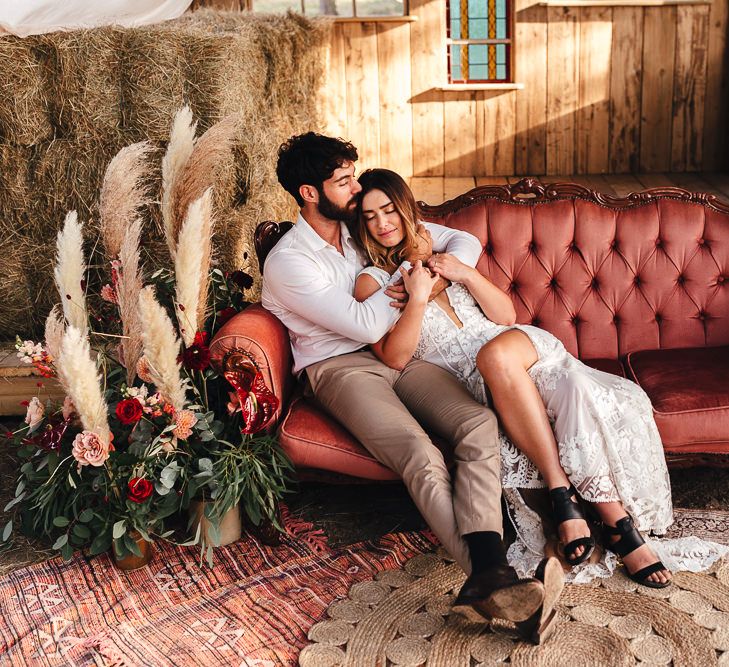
(70, 101)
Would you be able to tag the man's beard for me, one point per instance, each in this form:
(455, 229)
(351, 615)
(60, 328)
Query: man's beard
(330, 210)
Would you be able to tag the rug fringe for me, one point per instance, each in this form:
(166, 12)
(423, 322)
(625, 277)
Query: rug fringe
(304, 530)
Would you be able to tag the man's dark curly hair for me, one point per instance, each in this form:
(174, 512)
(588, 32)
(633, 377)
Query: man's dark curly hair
(310, 159)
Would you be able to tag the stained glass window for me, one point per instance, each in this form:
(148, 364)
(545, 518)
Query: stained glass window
(479, 40)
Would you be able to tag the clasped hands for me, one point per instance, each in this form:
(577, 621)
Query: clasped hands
(445, 267)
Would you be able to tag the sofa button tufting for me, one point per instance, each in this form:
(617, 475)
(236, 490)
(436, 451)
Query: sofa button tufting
(659, 317)
(594, 284)
(680, 279)
(553, 282)
(702, 241)
(575, 320)
(488, 249)
(616, 319)
(659, 243)
(702, 316)
(512, 286)
(720, 280)
(636, 280)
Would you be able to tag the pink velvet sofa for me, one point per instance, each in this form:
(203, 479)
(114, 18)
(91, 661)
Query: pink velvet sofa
(636, 286)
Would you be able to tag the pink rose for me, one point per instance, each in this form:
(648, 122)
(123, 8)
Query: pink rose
(34, 414)
(89, 449)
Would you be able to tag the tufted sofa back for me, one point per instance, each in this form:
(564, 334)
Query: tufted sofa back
(607, 276)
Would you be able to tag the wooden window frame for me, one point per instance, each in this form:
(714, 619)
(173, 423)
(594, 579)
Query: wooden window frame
(465, 42)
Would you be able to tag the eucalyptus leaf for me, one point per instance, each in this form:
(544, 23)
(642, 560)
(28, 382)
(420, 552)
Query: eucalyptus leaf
(14, 502)
(7, 530)
(161, 489)
(61, 521)
(61, 541)
(86, 515)
(82, 531)
(67, 551)
(100, 544)
(205, 464)
(119, 529)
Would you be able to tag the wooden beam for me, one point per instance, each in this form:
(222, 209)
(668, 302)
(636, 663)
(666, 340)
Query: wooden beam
(626, 66)
(530, 45)
(689, 88)
(396, 120)
(593, 111)
(716, 106)
(562, 94)
(657, 91)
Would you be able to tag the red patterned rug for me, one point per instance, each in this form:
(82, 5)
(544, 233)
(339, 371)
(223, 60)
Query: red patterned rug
(254, 607)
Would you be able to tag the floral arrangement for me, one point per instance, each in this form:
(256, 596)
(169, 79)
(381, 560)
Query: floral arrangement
(147, 425)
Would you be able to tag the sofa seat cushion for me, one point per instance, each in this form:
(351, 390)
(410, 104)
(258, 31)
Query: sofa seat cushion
(689, 390)
(606, 366)
(313, 439)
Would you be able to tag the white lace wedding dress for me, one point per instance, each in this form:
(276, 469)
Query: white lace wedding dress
(608, 442)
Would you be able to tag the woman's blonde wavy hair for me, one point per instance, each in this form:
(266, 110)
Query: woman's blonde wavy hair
(402, 198)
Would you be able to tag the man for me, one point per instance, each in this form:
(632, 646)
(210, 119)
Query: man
(308, 284)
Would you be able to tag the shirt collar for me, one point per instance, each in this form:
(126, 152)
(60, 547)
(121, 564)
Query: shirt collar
(316, 242)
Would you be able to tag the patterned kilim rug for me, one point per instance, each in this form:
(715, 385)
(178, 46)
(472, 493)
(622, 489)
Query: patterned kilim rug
(374, 604)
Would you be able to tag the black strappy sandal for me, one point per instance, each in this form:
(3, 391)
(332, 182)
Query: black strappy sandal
(630, 540)
(565, 509)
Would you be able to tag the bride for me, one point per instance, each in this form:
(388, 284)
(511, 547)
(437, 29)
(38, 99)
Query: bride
(582, 433)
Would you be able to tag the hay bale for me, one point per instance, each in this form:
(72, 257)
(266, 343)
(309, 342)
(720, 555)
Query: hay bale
(87, 66)
(112, 87)
(24, 115)
(15, 289)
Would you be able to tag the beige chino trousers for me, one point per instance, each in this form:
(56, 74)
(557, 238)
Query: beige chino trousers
(387, 410)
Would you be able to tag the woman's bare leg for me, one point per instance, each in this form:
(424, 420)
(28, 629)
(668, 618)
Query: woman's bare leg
(503, 362)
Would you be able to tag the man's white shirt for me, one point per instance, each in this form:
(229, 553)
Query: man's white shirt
(309, 285)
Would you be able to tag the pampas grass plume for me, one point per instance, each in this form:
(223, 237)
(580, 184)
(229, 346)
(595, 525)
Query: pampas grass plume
(70, 270)
(161, 349)
(83, 383)
(129, 285)
(55, 328)
(179, 149)
(200, 169)
(192, 267)
(123, 194)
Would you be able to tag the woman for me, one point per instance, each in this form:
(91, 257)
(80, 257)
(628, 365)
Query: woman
(582, 433)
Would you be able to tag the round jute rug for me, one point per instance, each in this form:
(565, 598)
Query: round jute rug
(404, 618)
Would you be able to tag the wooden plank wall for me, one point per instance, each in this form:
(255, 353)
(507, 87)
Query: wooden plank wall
(606, 90)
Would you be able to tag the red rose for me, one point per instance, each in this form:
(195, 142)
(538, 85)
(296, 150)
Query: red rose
(197, 356)
(129, 411)
(139, 489)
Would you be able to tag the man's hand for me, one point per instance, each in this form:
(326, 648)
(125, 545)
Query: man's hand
(438, 287)
(449, 267)
(397, 292)
(423, 247)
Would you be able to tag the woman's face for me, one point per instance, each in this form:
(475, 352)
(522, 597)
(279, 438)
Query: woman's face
(384, 223)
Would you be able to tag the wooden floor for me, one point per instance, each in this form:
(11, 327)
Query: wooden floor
(437, 190)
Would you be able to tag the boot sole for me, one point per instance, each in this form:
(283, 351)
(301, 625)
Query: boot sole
(541, 625)
(513, 603)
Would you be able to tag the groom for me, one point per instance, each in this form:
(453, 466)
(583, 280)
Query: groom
(308, 282)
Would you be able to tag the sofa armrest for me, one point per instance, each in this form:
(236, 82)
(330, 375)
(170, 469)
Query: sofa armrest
(261, 336)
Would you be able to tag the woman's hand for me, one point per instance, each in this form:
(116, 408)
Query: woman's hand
(423, 245)
(450, 267)
(418, 282)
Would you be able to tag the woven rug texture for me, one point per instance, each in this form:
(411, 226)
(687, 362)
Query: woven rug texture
(254, 608)
(257, 606)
